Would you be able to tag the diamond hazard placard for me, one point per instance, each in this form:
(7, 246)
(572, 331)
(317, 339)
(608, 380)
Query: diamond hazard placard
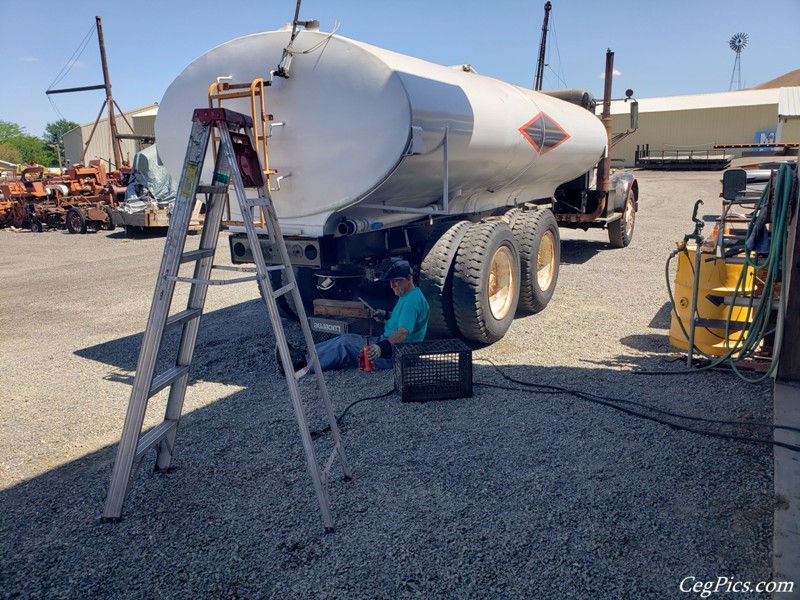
(544, 133)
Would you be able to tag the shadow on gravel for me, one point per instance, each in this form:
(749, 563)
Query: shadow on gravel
(134, 232)
(663, 318)
(577, 252)
(241, 334)
(511, 493)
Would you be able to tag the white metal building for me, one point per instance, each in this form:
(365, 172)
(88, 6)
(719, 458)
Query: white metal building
(136, 122)
(697, 123)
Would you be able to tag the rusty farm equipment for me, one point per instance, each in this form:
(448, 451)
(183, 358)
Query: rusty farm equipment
(80, 200)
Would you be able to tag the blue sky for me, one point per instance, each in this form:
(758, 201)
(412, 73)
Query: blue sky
(662, 48)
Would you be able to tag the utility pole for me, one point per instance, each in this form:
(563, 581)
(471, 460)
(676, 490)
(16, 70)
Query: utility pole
(109, 101)
(542, 47)
(112, 122)
(58, 151)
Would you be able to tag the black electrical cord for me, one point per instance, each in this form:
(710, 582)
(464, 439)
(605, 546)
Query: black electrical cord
(611, 403)
(327, 428)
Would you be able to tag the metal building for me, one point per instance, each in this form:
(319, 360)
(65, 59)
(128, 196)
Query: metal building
(139, 122)
(697, 123)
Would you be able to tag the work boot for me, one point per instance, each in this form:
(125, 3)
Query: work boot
(298, 358)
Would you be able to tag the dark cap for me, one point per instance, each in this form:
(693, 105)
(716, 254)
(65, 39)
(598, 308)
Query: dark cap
(395, 268)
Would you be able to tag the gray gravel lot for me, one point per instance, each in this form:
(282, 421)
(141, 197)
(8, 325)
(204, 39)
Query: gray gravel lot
(508, 494)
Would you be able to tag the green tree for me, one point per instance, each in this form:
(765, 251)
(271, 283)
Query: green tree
(54, 132)
(21, 147)
(10, 131)
(36, 150)
(10, 154)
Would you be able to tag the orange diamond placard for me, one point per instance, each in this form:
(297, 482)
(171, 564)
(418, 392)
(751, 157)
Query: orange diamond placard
(544, 133)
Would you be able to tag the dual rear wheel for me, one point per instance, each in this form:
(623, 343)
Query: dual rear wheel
(477, 276)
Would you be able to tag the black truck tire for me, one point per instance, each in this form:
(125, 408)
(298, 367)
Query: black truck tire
(436, 278)
(539, 256)
(306, 284)
(486, 282)
(76, 221)
(620, 232)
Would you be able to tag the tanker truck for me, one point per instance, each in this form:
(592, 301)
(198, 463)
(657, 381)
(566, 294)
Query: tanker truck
(373, 154)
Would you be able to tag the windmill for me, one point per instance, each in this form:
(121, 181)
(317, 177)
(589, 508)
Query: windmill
(737, 43)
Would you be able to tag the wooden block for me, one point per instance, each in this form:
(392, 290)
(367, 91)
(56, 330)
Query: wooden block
(340, 308)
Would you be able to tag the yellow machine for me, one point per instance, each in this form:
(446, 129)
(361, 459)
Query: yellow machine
(720, 279)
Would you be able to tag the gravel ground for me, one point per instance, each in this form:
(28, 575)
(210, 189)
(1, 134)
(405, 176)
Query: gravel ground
(508, 494)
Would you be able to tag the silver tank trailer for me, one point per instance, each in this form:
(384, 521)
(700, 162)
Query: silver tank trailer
(364, 128)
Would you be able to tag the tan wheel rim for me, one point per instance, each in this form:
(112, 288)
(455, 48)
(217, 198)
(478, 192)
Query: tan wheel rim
(501, 283)
(546, 261)
(629, 217)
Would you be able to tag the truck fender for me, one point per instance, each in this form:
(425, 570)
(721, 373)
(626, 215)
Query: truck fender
(623, 183)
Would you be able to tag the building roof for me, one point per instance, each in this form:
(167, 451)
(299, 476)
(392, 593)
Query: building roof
(789, 102)
(150, 111)
(136, 112)
(790, 79)
(701, 101)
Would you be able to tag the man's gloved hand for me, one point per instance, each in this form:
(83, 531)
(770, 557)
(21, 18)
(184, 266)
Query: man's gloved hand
(373, 352)
(380, 315)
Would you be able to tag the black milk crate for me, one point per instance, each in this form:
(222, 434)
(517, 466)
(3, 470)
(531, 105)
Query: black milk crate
(434, 370)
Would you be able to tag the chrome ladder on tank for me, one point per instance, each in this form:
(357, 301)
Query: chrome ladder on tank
(236, 162)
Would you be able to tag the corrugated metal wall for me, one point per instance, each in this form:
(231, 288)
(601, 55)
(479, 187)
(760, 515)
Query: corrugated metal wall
(100, 145)
(791, 131)
(697, 129)
(145, 124)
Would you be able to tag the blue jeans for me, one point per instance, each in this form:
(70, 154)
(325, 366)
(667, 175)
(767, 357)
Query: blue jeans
(342, 352)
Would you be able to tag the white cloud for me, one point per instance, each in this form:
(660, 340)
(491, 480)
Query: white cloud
(29, 59)
(615, 73)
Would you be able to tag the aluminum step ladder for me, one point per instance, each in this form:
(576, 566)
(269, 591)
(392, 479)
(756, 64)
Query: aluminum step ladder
(236, 163)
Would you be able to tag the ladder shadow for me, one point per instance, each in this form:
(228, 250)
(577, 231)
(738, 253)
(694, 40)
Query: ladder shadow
(241, 333)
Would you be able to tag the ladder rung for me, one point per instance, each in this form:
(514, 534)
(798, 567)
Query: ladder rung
(284, 290)
(303, 371)
(215, 281)
(212, 189)
(168, 378)
(327, 469)
(267, 268)
(153, 437)
(251, 202)
(197, 254)
(182, 317)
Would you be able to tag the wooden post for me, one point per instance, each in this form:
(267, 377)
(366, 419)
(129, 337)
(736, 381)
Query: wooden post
(786, 399)
(112, 121)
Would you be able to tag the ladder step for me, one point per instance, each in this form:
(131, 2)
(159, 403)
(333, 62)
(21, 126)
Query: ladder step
(153, 437)
(197, 254)
(212, 189)
(182, 317)
(284, 290)
(252, 202)
(168, 378)
(215, 281)
(303, 371)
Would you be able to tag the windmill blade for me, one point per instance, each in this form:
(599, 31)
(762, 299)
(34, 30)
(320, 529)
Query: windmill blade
(739, 41)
